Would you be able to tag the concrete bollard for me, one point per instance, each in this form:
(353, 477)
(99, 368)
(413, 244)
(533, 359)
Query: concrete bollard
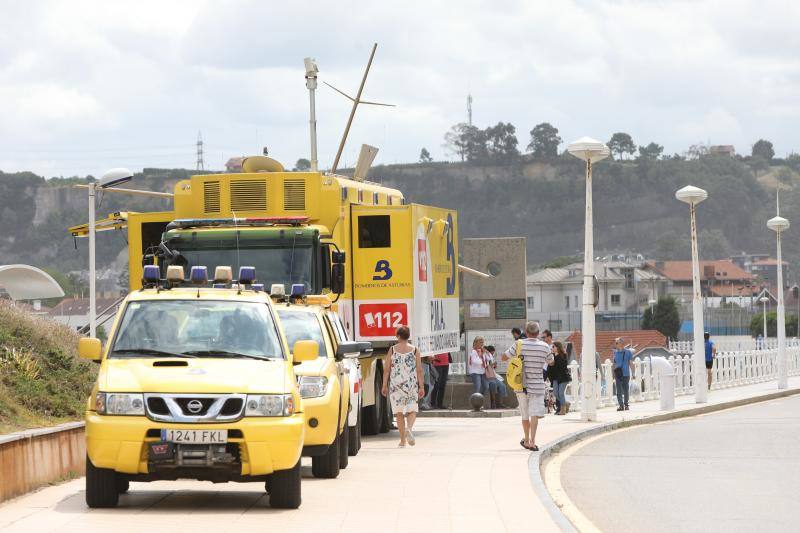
(666, 379)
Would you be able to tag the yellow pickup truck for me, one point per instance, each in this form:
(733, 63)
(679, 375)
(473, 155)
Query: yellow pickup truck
(199, 383)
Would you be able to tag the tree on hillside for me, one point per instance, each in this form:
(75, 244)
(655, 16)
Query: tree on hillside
(544, 140)
(302, 165)
(695, 151)
(651, 152)
(501, 141)
(466, 141)
(425, 156)
(663, 317)
(713, 244)
(763, 148)
(621, 143)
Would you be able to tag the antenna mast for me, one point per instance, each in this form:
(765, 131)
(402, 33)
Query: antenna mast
(200, 151)
(311, 84)
(469, 109)
(357, 100)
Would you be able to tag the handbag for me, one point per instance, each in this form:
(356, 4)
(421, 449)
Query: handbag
(618, 373)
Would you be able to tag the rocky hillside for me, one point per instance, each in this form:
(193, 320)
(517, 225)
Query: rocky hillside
(634, 203)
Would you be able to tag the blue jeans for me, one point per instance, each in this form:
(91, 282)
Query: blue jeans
(623, 389)
(497, 387)
(560, 390)
(479, 383)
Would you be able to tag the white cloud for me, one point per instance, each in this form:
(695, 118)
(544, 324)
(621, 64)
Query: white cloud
(90, 84)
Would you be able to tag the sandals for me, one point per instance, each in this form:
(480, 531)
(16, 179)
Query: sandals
(533, 448)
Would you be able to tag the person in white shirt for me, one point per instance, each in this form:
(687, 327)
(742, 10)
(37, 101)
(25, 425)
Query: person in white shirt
(476, 368)
(536, 354)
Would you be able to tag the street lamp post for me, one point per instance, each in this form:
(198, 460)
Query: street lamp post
(590, 151)
(113, 177)
(693, 196)
(764, 301)
(779, 224)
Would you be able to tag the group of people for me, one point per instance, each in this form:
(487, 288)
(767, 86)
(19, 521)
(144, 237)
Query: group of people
(534, 359)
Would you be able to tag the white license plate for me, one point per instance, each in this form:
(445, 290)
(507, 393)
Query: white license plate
(195, 436)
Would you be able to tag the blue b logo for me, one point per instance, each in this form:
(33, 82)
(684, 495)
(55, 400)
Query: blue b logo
(382, 267)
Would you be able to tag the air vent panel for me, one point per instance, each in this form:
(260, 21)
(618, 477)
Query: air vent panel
(211, 197)
(248, 195)
(294, 195)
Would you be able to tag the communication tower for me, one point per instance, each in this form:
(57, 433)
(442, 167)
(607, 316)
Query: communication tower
(469, 109)
(200, 151)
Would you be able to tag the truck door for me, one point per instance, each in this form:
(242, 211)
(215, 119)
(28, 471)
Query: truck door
(381, 271)
(144, 234)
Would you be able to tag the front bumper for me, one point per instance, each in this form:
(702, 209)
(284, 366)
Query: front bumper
(265, 444)
(322, 419)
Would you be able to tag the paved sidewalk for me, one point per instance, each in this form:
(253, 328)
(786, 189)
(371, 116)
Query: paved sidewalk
(464, 474)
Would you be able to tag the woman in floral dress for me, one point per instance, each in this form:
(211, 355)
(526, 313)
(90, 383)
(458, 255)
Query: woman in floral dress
(402, 384)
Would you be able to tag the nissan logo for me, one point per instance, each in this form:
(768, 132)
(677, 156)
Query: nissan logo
(195, 406)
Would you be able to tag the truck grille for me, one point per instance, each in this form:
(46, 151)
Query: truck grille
(192, 408)
(294, 195)
(248, 195)
(211, 197)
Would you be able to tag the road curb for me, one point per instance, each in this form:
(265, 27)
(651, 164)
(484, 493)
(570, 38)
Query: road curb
(536, 461)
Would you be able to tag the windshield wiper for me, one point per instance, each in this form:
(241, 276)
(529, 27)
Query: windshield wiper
(212, 353)
(148, 351)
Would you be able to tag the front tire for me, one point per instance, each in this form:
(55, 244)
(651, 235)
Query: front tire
(123, 485)
(284, 488)
(101, 486)
(344, 447)
(354, 439)
(326, 466)
(373, 414)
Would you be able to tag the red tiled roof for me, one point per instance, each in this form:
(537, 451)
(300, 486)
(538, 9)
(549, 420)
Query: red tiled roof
(604, 341)
(734, 290)
(682, 270)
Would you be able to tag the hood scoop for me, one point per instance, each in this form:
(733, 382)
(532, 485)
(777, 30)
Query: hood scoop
(170, 363)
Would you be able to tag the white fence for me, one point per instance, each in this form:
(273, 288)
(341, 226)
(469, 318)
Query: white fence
(731, 369)
(732, 344)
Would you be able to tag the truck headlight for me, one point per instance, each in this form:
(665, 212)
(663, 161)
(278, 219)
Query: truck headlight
(269, 405)
(312, 386)
(119, 403)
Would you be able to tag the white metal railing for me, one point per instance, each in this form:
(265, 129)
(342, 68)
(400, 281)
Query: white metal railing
(731, 369)
(736, 344)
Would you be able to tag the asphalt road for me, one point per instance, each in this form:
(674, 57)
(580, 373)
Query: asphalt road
(735, 470)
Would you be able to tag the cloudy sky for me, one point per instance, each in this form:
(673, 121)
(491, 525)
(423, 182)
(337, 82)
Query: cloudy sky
(88, 85)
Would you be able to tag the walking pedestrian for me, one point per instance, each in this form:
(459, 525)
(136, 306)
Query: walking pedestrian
(403, 384)
(711, 354)
(428, 378)
(497, 389)
(535, 355)
(560, 377)
(441, 363)
(622, 373)
(477, 366)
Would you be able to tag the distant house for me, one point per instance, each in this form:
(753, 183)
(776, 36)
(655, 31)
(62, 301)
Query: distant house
(555, 295)
(234, 164)
(74, 312)
(722, 149)
(636, 340)
(721, 278)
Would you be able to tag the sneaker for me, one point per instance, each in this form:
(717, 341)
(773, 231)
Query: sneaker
(627, 408)
(410, 437)
(620, 408)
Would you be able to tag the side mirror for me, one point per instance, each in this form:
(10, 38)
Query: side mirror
(337, 278)
(305, 351)
(90, 348)
(353, 350)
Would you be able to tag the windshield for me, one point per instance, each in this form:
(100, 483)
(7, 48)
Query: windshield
(302, 327)
(202, 328)
(273, 264)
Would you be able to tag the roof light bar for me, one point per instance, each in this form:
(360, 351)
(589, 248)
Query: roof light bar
(199, 275)
(223, 274)
(150, 274)
(298, 290)
(175, 274)
(247, 275)
(277, 289)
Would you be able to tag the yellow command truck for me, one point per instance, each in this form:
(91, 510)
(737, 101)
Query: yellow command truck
(384, 262)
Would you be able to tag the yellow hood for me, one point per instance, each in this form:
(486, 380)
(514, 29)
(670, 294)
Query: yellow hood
(200, 375)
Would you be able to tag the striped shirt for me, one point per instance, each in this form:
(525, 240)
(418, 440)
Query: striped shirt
(535, 355)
